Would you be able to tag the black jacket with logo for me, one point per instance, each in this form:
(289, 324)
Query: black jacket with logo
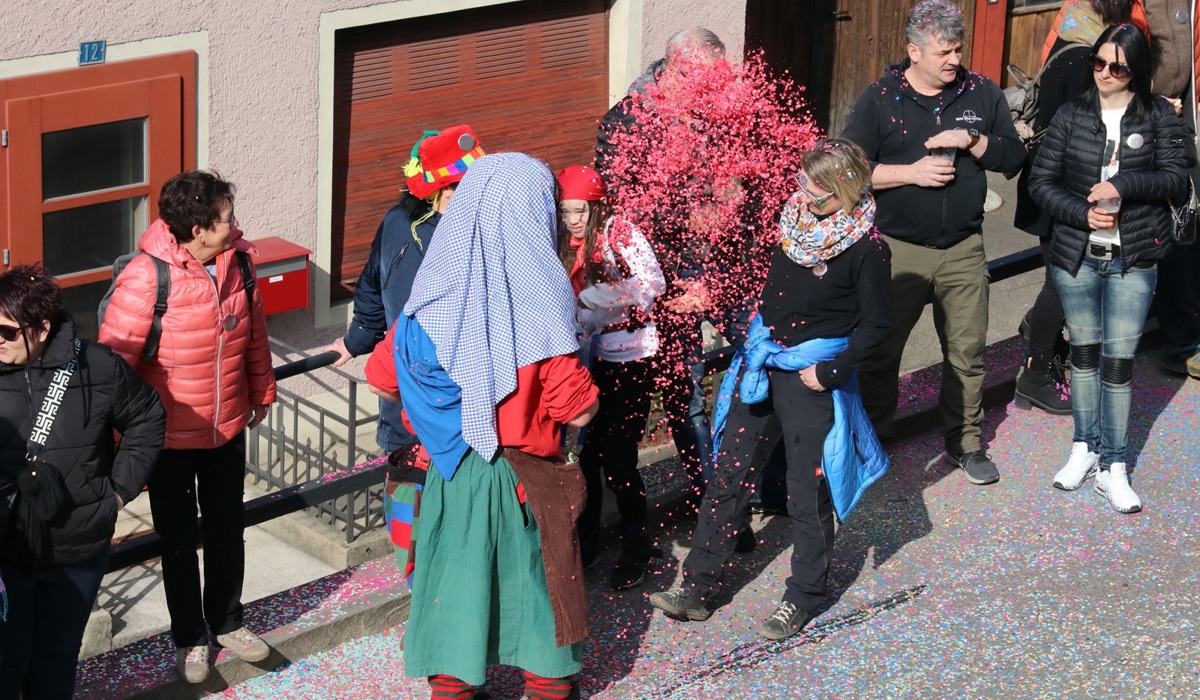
(104, 394)
(1068, 165)
(891, 122)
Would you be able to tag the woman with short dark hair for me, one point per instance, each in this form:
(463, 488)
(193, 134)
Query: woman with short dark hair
(213, 371)
(54, 537)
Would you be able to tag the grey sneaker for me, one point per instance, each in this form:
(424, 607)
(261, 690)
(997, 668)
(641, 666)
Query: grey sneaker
(980, 468)
(192, 663)
(681, 603)
(245, 645)
(785, 622)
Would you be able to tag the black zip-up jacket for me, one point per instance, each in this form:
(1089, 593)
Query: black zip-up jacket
(1068, 165)
(891, 122)
(103, 395)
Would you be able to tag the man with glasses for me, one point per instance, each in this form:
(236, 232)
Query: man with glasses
(931, 129)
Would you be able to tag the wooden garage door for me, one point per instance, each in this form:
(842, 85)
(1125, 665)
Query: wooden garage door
(528, 76)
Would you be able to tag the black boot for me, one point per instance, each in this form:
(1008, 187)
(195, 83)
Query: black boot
(630, 571)
(1038, 385)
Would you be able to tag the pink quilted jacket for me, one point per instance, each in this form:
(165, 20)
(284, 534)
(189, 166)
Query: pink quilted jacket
(208, 377)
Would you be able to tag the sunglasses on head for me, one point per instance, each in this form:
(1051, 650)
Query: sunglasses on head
(10, 333)
(1120, 71)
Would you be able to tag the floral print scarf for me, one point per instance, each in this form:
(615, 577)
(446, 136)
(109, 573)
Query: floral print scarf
(810, 241)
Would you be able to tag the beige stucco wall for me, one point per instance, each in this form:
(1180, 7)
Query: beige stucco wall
(662, 18)
(265, 91)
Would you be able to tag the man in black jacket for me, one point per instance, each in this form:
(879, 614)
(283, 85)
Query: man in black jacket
(931, 128)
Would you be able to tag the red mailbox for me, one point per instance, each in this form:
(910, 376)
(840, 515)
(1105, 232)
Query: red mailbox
(282, 271)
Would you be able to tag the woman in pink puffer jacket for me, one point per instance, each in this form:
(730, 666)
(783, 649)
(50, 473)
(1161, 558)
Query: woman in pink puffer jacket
(212, 371)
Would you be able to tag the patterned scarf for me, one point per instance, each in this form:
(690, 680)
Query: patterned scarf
(810, 241)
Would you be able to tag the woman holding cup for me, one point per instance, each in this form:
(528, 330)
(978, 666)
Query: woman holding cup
(1105, 169)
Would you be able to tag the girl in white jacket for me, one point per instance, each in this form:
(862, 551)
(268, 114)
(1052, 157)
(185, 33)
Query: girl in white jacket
(617, 278)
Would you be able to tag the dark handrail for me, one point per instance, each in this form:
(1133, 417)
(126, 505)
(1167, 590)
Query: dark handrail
(999, 269)
(306, 364)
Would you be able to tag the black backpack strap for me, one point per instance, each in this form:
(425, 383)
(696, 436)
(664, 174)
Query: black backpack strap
(249, 283)
(248, 280)
(162, 275)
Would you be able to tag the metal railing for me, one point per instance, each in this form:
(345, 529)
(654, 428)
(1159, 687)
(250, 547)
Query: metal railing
(295, 452)
(301, 440)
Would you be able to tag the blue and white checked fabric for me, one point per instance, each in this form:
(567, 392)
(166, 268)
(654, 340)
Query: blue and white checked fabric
(491, 292)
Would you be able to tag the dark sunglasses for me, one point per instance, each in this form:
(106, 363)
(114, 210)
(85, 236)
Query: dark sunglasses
(1120, 71)
(10, 333)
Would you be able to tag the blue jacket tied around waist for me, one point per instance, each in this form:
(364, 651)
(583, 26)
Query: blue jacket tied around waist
(853, 459)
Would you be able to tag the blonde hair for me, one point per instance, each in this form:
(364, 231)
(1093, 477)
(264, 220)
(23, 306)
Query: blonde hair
(838, 166)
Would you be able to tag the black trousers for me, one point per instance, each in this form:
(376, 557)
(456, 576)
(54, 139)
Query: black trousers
(611, 445)
(802, 418)
(1177, 298)
(1045, 317)
(214, 480)
(679, 370)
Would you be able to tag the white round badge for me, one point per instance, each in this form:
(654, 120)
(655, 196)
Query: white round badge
(1135, 141)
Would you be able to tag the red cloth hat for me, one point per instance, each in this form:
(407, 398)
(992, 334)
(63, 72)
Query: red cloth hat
(441, 158)
(581, 182)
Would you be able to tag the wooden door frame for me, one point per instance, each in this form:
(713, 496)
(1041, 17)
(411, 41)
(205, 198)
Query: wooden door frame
(988, 38)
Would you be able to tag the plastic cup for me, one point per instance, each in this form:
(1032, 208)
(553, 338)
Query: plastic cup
(944, 152)
(1109, 205)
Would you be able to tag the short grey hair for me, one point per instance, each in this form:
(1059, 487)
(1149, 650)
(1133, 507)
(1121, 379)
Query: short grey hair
(688, 41)
(937, 19)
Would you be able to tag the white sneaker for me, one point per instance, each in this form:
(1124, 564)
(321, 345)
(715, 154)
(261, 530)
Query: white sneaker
(192, 663)
(245, 645)
(1113, 484)
(1080, 467)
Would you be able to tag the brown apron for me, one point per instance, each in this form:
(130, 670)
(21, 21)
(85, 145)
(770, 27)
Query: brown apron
(556, 492)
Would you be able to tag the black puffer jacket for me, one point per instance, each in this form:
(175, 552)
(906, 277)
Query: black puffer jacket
(1068, 165)
(103, 395)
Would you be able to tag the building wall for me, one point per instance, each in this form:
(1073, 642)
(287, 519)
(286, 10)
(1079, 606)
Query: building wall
(265, 92)
(662, 18)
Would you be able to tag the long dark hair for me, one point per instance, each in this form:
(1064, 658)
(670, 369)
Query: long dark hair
(598, 213)
(1134, 51)
(1113, 11)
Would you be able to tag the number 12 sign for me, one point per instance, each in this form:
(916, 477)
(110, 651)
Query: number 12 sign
(91, 52)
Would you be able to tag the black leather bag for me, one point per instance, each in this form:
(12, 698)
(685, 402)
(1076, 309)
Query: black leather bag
(43, 492)
(42, 497)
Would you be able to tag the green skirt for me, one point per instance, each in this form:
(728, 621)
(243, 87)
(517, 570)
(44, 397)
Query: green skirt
(479, 589)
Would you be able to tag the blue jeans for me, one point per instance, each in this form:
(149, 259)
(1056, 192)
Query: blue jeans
(1104, 307)
(48, 611)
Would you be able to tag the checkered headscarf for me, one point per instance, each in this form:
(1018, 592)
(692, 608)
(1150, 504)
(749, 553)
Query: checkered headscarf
(491, 292)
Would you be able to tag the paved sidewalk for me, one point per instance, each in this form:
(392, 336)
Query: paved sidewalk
(940, 589)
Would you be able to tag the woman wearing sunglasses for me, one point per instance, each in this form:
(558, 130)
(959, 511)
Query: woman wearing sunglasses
(54, 537)
(1104, 172)
(1067, 74)
(824, 308)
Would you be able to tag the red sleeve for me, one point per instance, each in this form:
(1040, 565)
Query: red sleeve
(568, 388)
(381, 365)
